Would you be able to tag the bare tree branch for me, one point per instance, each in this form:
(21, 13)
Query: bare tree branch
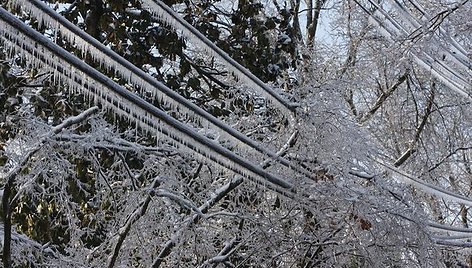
(419, 129)
(383, 97)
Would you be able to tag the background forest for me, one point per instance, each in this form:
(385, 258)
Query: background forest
(251, 133)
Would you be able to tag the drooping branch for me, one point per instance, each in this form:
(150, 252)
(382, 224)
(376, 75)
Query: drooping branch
(215, 198)
(23, 241)
(152, 191)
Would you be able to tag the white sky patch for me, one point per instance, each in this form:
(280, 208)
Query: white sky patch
(323, 30)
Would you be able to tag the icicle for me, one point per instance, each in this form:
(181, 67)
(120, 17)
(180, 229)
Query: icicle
(88, 45)
(102, 55)
(120, 101)
(166, 14)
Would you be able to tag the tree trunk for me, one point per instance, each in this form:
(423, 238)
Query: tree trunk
(313, 16)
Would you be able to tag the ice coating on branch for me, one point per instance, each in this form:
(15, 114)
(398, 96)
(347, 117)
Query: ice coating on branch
(452, 230)
(40, 52)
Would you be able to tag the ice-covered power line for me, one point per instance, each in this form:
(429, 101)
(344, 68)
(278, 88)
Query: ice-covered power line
(440, 233)
(398, 29)
(111, 60)
(452, 50)
(450, 229)
(165, 13)
(80, 77)
(402, 176)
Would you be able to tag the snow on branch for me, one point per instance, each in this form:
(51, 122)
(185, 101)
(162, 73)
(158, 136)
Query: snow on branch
(177, 199)
(23, 242)
(54, 130)
(75, 119)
